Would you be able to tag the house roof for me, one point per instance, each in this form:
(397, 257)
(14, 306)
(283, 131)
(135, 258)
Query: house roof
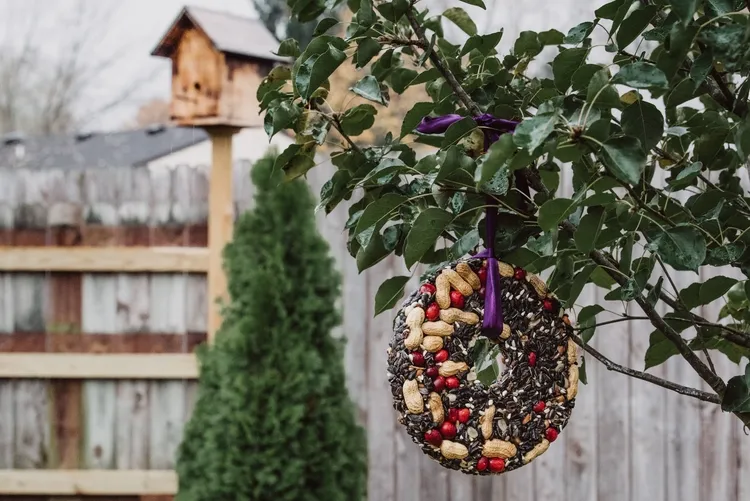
(130, 148)
(239, 35)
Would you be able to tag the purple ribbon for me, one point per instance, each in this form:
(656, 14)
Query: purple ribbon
(492, 323)
(493, 128)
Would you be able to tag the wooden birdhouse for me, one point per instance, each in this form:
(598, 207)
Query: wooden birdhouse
(218, 62)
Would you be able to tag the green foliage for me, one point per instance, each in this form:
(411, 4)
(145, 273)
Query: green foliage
(676, 110)
(273, 419)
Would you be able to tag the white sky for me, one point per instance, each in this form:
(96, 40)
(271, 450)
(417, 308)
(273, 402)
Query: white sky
(135, 28)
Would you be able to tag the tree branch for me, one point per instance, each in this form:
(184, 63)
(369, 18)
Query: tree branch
(644, 376)
(459, 91)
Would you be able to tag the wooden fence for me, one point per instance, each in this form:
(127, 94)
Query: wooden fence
(71, 428)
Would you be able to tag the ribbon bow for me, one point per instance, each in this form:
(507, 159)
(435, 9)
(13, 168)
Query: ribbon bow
(493, 128)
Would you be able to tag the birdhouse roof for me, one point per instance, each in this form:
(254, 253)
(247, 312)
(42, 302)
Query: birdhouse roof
(229, 33)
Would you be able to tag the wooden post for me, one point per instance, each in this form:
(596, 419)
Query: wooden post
(220, 220)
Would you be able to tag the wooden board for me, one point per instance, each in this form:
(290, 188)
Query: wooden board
(98, 366)
(97, 259)
(88, 483)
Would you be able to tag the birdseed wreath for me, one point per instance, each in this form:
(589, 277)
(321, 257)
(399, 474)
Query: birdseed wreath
(454, 417)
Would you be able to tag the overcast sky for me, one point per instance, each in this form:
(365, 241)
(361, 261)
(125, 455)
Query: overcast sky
(133, 28)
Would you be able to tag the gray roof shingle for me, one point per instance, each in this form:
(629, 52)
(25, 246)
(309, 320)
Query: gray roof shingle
(239, 35)
(130, 148)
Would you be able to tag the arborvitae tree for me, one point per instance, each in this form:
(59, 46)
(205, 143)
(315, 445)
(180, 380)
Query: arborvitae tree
(273, 420)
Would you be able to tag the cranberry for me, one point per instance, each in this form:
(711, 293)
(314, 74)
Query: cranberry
(417, 358)
(539, 406)
(519, 273)
(433, 437)
(550, 434)
(483, 463)
(532, 359)
(566, 319)
(464, 415)
(433, 312)
(427, 289)
(497, 465)
(439, 383)
(457, 299)
(549, 305)
(448, 430)
(452, 415)
(441, 356)
(482, 274)
(452, 383)
(431, 372)
(482, 292)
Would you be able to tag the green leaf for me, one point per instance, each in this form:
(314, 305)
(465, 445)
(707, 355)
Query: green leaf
(295, 162)
(324, 25)
(609, 10)
(379, 211)
(579, 282)
(577, 34)
(582, 372)
(644, 121)
(634, 25)
(389, 293)
(482, 43)
(527, 44)
(690, 295)
(384, 169)
(281, 117)
(684, 9)
(358, 119)
(371, 254)
(660, 349)
(686, 176)
(682, 92)
(370, 89)
(464, 245)
(458, 130)
(498, 155)
(555, 211)
(414, 116)
(641, 75)
(531, 133)
(316, 69)
(550, 37)
(624, 158)
(366, 49)
(427, 227)
(583, 75)
(600, 93)
(453, 159)
(460, 18)
(714, 288)
(565, 65)
(288, 48)
(737, 395)
(586, 320)
(588, 230)
(477, 3)
(681, 247)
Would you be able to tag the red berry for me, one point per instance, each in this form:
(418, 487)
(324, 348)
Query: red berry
(520, 274)
(433, 312)
(417, 358)
(427, 288)
(431, 372)
(532, 359)
(482, 292)
(539, 406)
(452, 415)
(549, 305)
(442, 355)
(482, 274)
(566, 319)
(439, 383)
(452, 383)
(448, 430)
(464, 415)
(457, 299)
(483, 463)
(551, 434)
(497, 465)
(433, 437)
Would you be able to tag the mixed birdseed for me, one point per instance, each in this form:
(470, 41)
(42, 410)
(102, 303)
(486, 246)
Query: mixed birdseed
(449, 413)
